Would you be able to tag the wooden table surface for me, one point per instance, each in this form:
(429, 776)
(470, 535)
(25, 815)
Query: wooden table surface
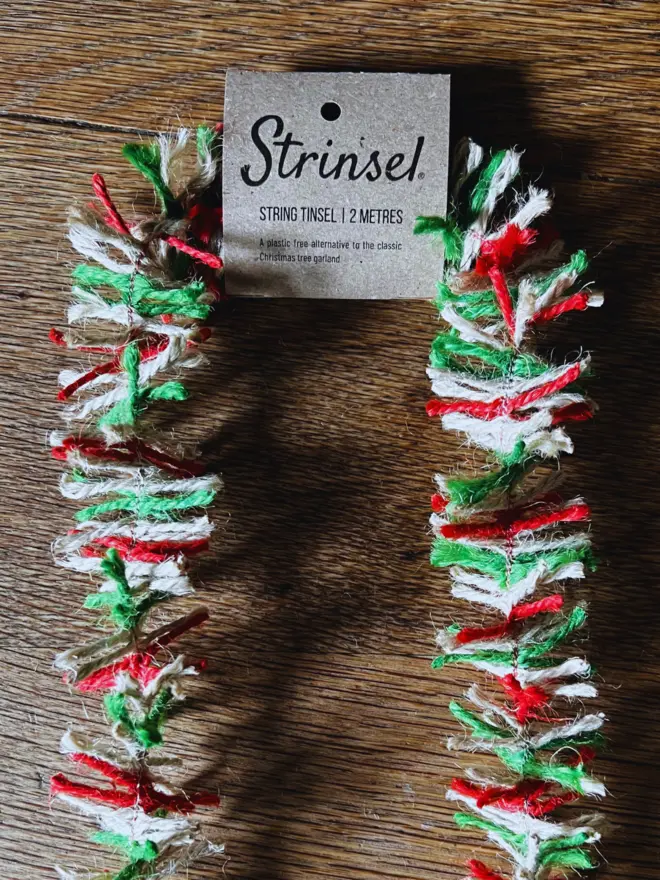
(320, 720)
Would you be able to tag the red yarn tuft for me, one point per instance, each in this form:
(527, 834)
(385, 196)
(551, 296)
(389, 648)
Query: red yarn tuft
(139, 663)
(496, 255)
(438, 503)
(481, 871)
(201, 256)
(551, 604)
(573, 412)
(577, 302)
(505, 250)
(503, 297)
(101, 370)
(149, 348)
(144, 551)
(477, 633)
(130, 451)
(113, 217)
(529, 796)
(57, 337)
(501, 529)
(138, 666)
(140, 791)
(526, 700)
(585, 755)
(503, 406)
(205, 221)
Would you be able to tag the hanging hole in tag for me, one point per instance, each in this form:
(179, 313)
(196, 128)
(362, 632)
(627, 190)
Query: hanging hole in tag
(330, 111)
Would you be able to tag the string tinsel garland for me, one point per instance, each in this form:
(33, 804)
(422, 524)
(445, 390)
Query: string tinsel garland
(510, 536)
(141, 302)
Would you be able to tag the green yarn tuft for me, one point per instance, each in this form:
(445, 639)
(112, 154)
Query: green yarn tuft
(552, 559)
(141, 855)
(467, 492)
(126, 411)
(168, 391)
(525, 763)
(477, 726)
(139, 870)
(504, 658)
(143, 852)
(206, 140)
(470, 305)
(449, 351)
(146, 158)
(575, 620)
(466, 820)
(570, 858)
(158, 507)
(130, 363)
(566, 852)
(482, 187)
(446, 552)
(447, 230)
(146, 730)
(577, 264)
(124, 607)
(146, 296)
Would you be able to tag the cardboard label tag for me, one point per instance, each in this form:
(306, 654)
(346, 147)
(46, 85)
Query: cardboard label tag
(323, 177)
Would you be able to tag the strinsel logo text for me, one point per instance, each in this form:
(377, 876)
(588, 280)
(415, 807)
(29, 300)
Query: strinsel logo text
(281, 155)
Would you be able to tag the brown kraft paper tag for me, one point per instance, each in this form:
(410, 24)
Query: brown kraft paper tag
(323, 177)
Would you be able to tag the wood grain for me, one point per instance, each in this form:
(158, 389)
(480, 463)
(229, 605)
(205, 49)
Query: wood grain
(320, 720)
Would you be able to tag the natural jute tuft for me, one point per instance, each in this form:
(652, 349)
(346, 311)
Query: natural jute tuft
(510, 537)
